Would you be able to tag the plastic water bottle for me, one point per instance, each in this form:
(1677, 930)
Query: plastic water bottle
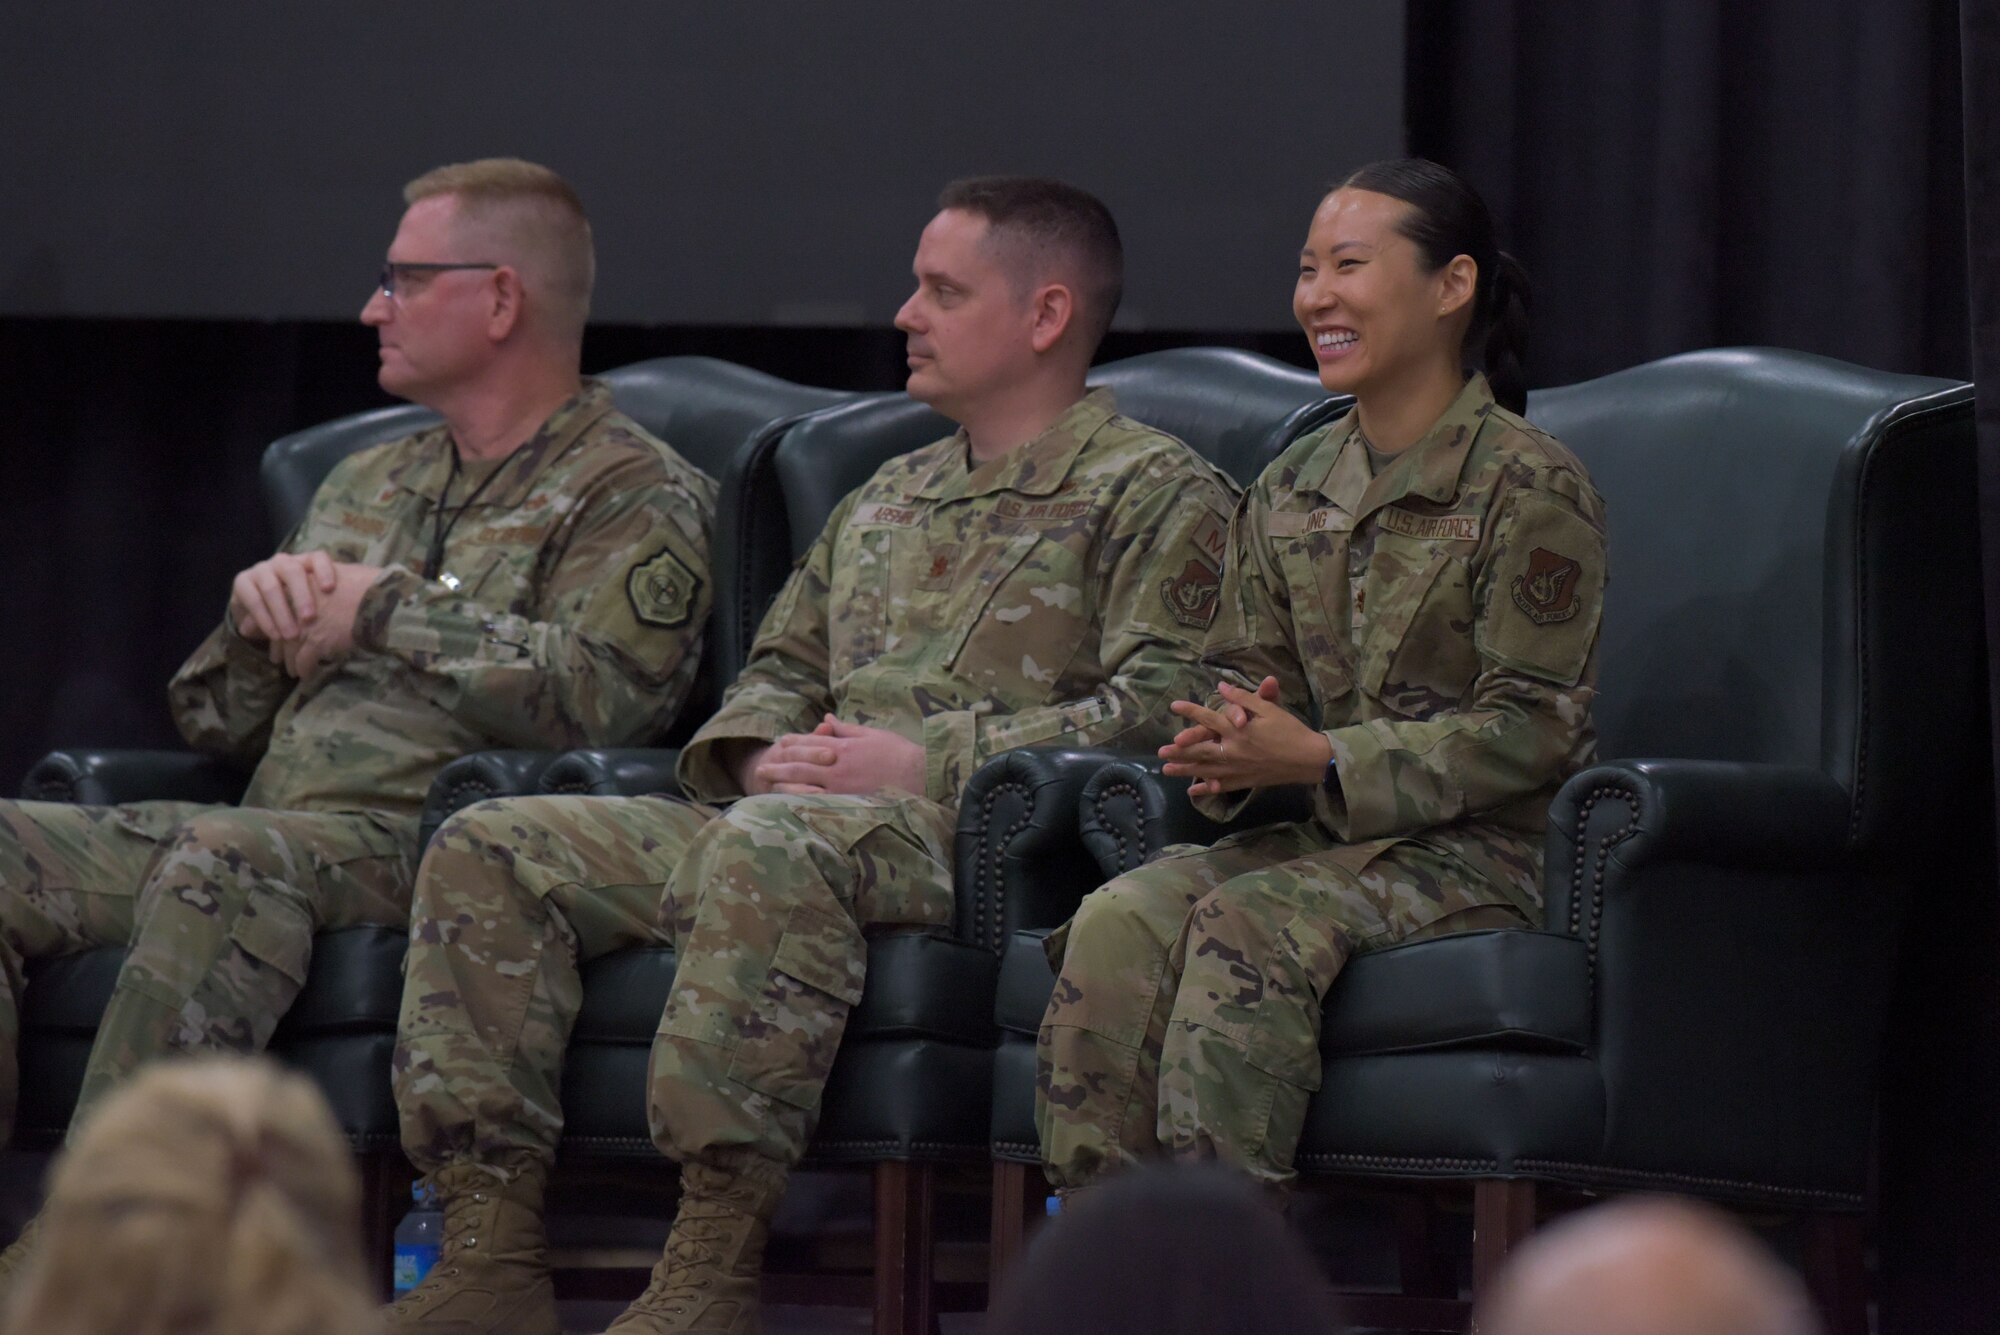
(418, 1238)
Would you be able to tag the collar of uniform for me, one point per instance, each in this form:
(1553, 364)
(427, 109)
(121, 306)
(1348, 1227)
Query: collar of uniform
(1339, 469)
(1431, 467)
(431, 470)
(1036, 468)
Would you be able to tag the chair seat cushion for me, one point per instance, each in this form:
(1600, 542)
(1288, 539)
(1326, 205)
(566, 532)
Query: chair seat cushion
(67, 995)
(355, 985)
(919, 985)
(1510, 989)
(1026, 983)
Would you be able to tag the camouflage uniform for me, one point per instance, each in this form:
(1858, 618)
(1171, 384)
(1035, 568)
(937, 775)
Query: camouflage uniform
(525, 641)
(1057, 594)
(1442, 619)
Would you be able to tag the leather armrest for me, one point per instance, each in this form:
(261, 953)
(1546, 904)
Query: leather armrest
(614, 772)
(1739, 960)
(106, 778)
(1129, 811)
(1020, 864)
(1620, 816)
(477, 778)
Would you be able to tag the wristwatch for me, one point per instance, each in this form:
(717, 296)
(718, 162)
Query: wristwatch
(1332, 780)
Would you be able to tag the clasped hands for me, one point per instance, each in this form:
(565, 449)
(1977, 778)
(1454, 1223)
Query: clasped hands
(301, 607)
(1250, 741)
(834, 757)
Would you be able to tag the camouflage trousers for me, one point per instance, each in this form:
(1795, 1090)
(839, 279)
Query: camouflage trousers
(764, 901)
(1186, 1016)
(218, 905)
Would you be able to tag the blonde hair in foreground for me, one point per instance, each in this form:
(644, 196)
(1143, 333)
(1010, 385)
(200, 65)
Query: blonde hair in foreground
(207, 1197)
(522, 214)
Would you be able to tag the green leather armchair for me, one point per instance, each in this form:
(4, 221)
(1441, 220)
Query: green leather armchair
(1791, 656)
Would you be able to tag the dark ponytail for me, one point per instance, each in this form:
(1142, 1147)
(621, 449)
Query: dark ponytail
(1507, 335)
(1447, 218)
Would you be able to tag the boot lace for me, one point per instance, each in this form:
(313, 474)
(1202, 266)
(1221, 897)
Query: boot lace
(463, 1216)
(684, 1271)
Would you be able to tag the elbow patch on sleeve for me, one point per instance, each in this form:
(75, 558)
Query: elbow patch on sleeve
(1544, 594)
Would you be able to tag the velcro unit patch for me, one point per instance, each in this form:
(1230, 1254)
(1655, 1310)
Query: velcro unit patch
(1193, 595)
(663, 590)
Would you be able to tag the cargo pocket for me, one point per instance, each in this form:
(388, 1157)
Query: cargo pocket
(786, 1046)
(899, 853)
(277, 935)
(1284, 1034)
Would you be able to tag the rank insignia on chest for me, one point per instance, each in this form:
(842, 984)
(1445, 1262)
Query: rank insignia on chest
(1192, 595)
(1547, 591)
(662, 590)
(936, 572)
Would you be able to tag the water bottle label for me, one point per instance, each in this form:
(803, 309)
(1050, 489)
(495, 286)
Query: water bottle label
(413, 1262)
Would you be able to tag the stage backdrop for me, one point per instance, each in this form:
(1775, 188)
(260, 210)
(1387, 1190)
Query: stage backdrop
(199, 197)
(759, 164)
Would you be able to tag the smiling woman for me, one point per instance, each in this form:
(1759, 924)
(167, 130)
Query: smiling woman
(1422, 579)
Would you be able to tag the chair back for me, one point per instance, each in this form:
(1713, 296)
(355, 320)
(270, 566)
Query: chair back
(1236, 409)
(704, 407)
(781, 489)
(1794, 565)
(295, 465)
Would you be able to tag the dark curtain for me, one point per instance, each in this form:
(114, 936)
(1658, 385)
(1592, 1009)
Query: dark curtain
(1940, 1174)
(1705, 173)
(1795, 173)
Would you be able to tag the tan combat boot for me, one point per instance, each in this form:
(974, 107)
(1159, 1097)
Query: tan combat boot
(492, 1273)
(707, 1278)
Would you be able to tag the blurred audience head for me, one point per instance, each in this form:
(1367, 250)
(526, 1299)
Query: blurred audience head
(1167, 1251)
(207, 1197)
(1655, 1266)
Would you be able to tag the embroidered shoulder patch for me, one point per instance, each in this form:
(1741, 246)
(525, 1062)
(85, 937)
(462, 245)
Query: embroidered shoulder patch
(1193, 595)
(662, 590)
(1547, 590)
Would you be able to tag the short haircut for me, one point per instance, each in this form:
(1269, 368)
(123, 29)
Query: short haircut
(524, 215)
(1047, 229)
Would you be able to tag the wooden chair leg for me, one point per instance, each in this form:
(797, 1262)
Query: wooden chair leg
(1014, 1197)
(1503, 1214)
(1423, 1274)
(385, 1195)
(904, 1197)
(1835, 1272)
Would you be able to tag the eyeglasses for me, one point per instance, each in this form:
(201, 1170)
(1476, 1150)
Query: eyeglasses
(393, 273)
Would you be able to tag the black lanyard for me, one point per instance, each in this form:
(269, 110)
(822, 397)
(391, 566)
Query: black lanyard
(440, 527)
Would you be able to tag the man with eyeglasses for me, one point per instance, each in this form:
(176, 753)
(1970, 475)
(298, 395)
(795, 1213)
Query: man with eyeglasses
(1043, 576)
(533, 572)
